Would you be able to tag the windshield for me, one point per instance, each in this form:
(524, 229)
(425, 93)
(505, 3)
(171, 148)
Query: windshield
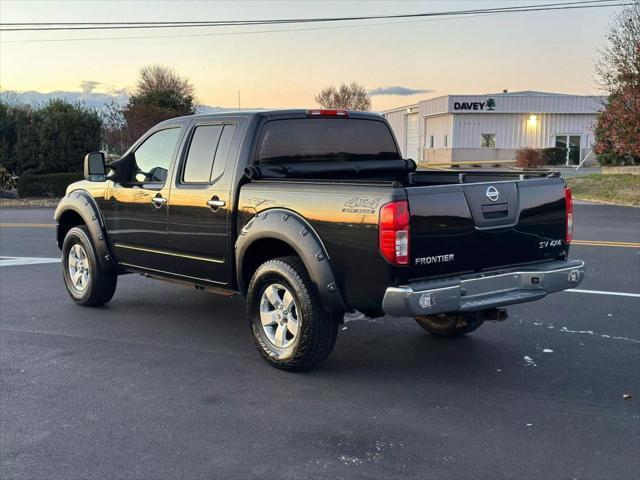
(326, 139)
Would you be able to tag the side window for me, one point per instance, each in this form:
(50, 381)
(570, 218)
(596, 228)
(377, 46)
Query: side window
(152, 158)
(223, 151)
(207, 154)
(202, 150)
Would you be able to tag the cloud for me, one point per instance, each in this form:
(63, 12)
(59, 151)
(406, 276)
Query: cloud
(88, 86)
(123, 92)
(402, 91)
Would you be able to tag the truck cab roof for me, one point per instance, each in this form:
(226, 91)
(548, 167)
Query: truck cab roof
(266, 114)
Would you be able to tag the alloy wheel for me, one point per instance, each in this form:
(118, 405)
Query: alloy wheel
(279, 315)
(78, 265)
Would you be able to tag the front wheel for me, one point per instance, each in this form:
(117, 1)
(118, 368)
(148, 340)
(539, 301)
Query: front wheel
(290, 327)
(449, 325)
(87, 282)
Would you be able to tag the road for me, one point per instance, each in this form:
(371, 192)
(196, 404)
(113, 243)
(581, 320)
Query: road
(164, 382)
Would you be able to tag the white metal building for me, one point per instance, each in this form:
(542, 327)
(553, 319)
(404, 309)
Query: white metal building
(457, 128)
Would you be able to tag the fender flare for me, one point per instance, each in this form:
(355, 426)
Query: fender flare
(295, 231)
(82, 203)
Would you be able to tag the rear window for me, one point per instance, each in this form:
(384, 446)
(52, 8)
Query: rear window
(322, 139)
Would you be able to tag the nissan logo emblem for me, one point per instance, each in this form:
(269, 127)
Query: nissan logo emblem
(492, 193)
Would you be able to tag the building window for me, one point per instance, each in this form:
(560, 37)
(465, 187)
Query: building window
(446, 140)
(488, 140)
(431, 141)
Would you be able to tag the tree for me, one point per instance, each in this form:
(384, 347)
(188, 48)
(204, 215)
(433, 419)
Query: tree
(348, 97)
(617, 130)
(619, 62)
(50, 139)
(7, 136)
(114, 128)
(618, 126)
(26, 146)
(160, 94)
(66, 133)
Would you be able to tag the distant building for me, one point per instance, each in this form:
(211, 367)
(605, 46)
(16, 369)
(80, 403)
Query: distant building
(457, 128)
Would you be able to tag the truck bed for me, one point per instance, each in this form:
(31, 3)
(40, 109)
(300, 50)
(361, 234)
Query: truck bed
(454, 229)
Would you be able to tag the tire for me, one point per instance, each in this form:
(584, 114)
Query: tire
(94, 286)
(299, 333)
(449, 325)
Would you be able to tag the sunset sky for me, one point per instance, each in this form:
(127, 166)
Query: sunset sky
(549, 51)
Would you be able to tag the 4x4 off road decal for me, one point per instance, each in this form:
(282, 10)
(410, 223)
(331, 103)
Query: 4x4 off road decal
(365, 206)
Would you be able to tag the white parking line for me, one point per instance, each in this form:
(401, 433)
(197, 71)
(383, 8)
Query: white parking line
(604, 292)
(16, 261)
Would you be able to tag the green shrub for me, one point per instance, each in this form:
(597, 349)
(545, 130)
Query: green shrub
(48, 185)
(610, 159)
(529, 158)
(51, 138)
(554, 156)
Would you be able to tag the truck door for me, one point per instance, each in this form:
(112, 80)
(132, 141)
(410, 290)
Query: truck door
(199, 204)
(135, 208)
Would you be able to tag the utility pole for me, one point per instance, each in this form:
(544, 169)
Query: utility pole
(238, 100)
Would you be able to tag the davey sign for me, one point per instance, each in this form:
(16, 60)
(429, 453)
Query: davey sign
(488, 105)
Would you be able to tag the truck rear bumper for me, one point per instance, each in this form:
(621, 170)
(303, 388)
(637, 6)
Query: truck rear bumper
(482, 291)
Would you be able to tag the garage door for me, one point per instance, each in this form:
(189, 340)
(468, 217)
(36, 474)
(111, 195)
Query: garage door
(413, 137)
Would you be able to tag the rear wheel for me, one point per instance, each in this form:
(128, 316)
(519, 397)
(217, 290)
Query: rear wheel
(87, 282)
(290, 327)
(449, 325)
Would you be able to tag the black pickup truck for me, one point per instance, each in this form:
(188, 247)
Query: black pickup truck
(309, 215)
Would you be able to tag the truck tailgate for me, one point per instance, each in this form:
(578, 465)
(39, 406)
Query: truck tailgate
(483, 226)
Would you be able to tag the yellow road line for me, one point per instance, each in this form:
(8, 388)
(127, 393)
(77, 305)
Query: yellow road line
(603, 243)
(27, 225)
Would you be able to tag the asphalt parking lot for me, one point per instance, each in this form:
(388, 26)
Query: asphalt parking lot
(164, 382)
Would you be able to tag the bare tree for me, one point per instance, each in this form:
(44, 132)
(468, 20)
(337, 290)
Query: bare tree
(347, 96)
(114, 128)
(9, 97)
(160, 78)
(619, 63)
(160, 94)
(616, 133)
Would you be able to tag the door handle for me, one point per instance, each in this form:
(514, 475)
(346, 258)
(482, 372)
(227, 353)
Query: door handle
(158, 201)
(215, 203)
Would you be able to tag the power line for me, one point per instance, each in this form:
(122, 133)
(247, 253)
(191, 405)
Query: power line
(260, 21)
(282, 20)
(251, 32)
(69, 26)
(258, 32)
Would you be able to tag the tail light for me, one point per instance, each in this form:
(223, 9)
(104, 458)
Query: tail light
(569, 204)
(327, 113)
(393, 228)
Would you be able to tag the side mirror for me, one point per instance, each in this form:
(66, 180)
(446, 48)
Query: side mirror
(94, 167)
